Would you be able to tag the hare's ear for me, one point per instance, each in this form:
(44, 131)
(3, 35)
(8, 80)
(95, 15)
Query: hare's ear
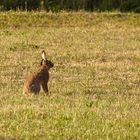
(44, 55)
(41, 63)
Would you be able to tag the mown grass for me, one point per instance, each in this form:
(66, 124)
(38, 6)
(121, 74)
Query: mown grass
(94, 86)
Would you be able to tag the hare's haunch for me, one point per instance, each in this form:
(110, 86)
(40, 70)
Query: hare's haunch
(39, 78)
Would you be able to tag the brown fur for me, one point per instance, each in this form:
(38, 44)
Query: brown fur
(39, 78)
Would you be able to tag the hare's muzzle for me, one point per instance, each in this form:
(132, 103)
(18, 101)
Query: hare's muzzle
(50, 64)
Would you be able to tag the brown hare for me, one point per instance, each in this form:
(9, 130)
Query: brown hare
(39, 78)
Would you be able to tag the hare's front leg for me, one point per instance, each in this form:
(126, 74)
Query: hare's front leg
(45, 87)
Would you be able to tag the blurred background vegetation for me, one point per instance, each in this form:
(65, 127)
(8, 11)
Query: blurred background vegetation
(75, 5)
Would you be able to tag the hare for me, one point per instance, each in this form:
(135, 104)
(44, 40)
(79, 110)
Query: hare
(39, 78)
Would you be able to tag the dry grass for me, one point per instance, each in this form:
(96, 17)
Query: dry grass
(94, 86)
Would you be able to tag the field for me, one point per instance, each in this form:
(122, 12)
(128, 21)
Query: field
(94, 87)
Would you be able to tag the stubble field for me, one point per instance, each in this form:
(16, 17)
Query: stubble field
(94, 87)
